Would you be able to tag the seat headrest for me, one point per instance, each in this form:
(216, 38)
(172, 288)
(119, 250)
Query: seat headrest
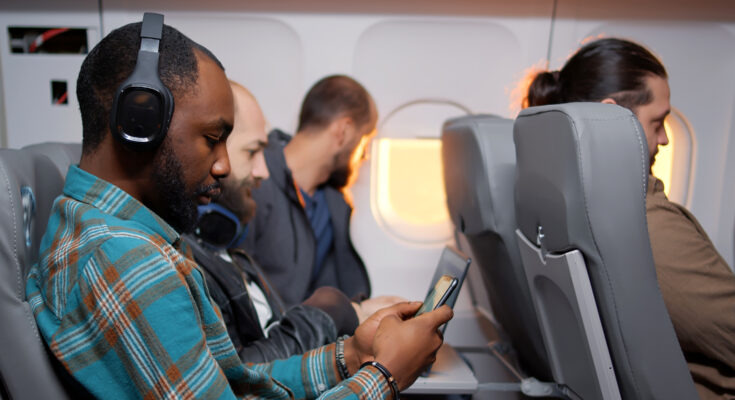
(61, 154)
(578, 156)
(473, 148)
(29, 183)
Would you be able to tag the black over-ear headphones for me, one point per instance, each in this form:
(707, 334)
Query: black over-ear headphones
(143, 105)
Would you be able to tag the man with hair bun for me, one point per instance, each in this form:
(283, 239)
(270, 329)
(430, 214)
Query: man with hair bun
(697, 285)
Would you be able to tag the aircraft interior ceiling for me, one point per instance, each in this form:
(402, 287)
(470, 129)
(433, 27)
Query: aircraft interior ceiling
(423, 62)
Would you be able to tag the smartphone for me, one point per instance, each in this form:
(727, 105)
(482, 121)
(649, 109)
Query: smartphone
(439, 294)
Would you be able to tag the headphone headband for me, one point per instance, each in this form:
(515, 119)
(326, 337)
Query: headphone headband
(152, 26)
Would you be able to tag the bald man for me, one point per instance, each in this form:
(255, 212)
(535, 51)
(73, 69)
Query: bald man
(260, 326)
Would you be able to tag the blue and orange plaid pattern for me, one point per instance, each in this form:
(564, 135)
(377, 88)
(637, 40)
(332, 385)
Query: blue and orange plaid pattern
(123, 306)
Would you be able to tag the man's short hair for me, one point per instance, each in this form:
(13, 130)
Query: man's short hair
(113, 59)
(333, 97)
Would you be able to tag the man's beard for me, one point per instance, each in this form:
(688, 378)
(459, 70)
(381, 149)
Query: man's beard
(179, 207)
(237, 197)
(340, 177)
(651, 161)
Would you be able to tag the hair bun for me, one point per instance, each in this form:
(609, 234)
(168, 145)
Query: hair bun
(544, 89)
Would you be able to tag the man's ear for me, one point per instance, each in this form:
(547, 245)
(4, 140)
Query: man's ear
(340, 127)
(609, 100)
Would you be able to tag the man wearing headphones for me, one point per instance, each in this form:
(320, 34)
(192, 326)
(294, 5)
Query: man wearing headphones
(116, 295)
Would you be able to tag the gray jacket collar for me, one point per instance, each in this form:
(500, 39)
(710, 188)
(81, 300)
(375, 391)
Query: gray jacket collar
(279, 172)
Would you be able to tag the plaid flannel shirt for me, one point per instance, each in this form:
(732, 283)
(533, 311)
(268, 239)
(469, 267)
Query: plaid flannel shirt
(123, 306)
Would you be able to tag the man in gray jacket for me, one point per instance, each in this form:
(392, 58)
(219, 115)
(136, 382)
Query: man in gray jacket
(300, 234)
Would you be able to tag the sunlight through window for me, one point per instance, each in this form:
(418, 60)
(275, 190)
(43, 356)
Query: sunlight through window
(662, 168)
(409, 188)
(674, 162)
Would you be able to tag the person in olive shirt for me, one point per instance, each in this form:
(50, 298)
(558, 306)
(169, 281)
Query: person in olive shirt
(696, 283)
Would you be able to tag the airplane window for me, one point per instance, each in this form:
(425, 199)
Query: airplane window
(406, 181)
(664, 159)
(408, 188)
(674, 161)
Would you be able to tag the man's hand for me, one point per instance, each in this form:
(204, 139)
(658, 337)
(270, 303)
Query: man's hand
(406, 348)
(359, 348)
(368, 307)
(404, 345)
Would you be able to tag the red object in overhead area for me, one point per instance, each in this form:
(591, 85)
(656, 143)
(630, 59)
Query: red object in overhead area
(40, 39)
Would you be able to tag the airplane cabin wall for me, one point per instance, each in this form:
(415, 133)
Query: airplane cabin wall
(474, 62)
(29, 115)
(401, 57)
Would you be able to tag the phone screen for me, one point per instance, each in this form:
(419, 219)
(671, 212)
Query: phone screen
(438, 294)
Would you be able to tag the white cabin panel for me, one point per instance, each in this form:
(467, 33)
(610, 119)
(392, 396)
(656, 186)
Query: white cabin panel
(30, 113)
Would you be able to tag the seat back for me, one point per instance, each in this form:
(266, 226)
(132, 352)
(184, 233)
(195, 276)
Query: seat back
(582, 172)
(479, 174)
(30, 182)
(61, 154)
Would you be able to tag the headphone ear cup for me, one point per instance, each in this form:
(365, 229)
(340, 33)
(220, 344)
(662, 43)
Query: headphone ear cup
(143, 106)
(141, 115)
(218, 226)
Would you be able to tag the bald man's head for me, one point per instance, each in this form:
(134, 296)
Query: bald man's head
(248, 136)
(245, 149)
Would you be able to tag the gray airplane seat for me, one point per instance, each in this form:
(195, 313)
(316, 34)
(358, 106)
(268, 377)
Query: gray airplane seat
(61, 154)
(479, 175)
(581, 181)
(30, 183)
